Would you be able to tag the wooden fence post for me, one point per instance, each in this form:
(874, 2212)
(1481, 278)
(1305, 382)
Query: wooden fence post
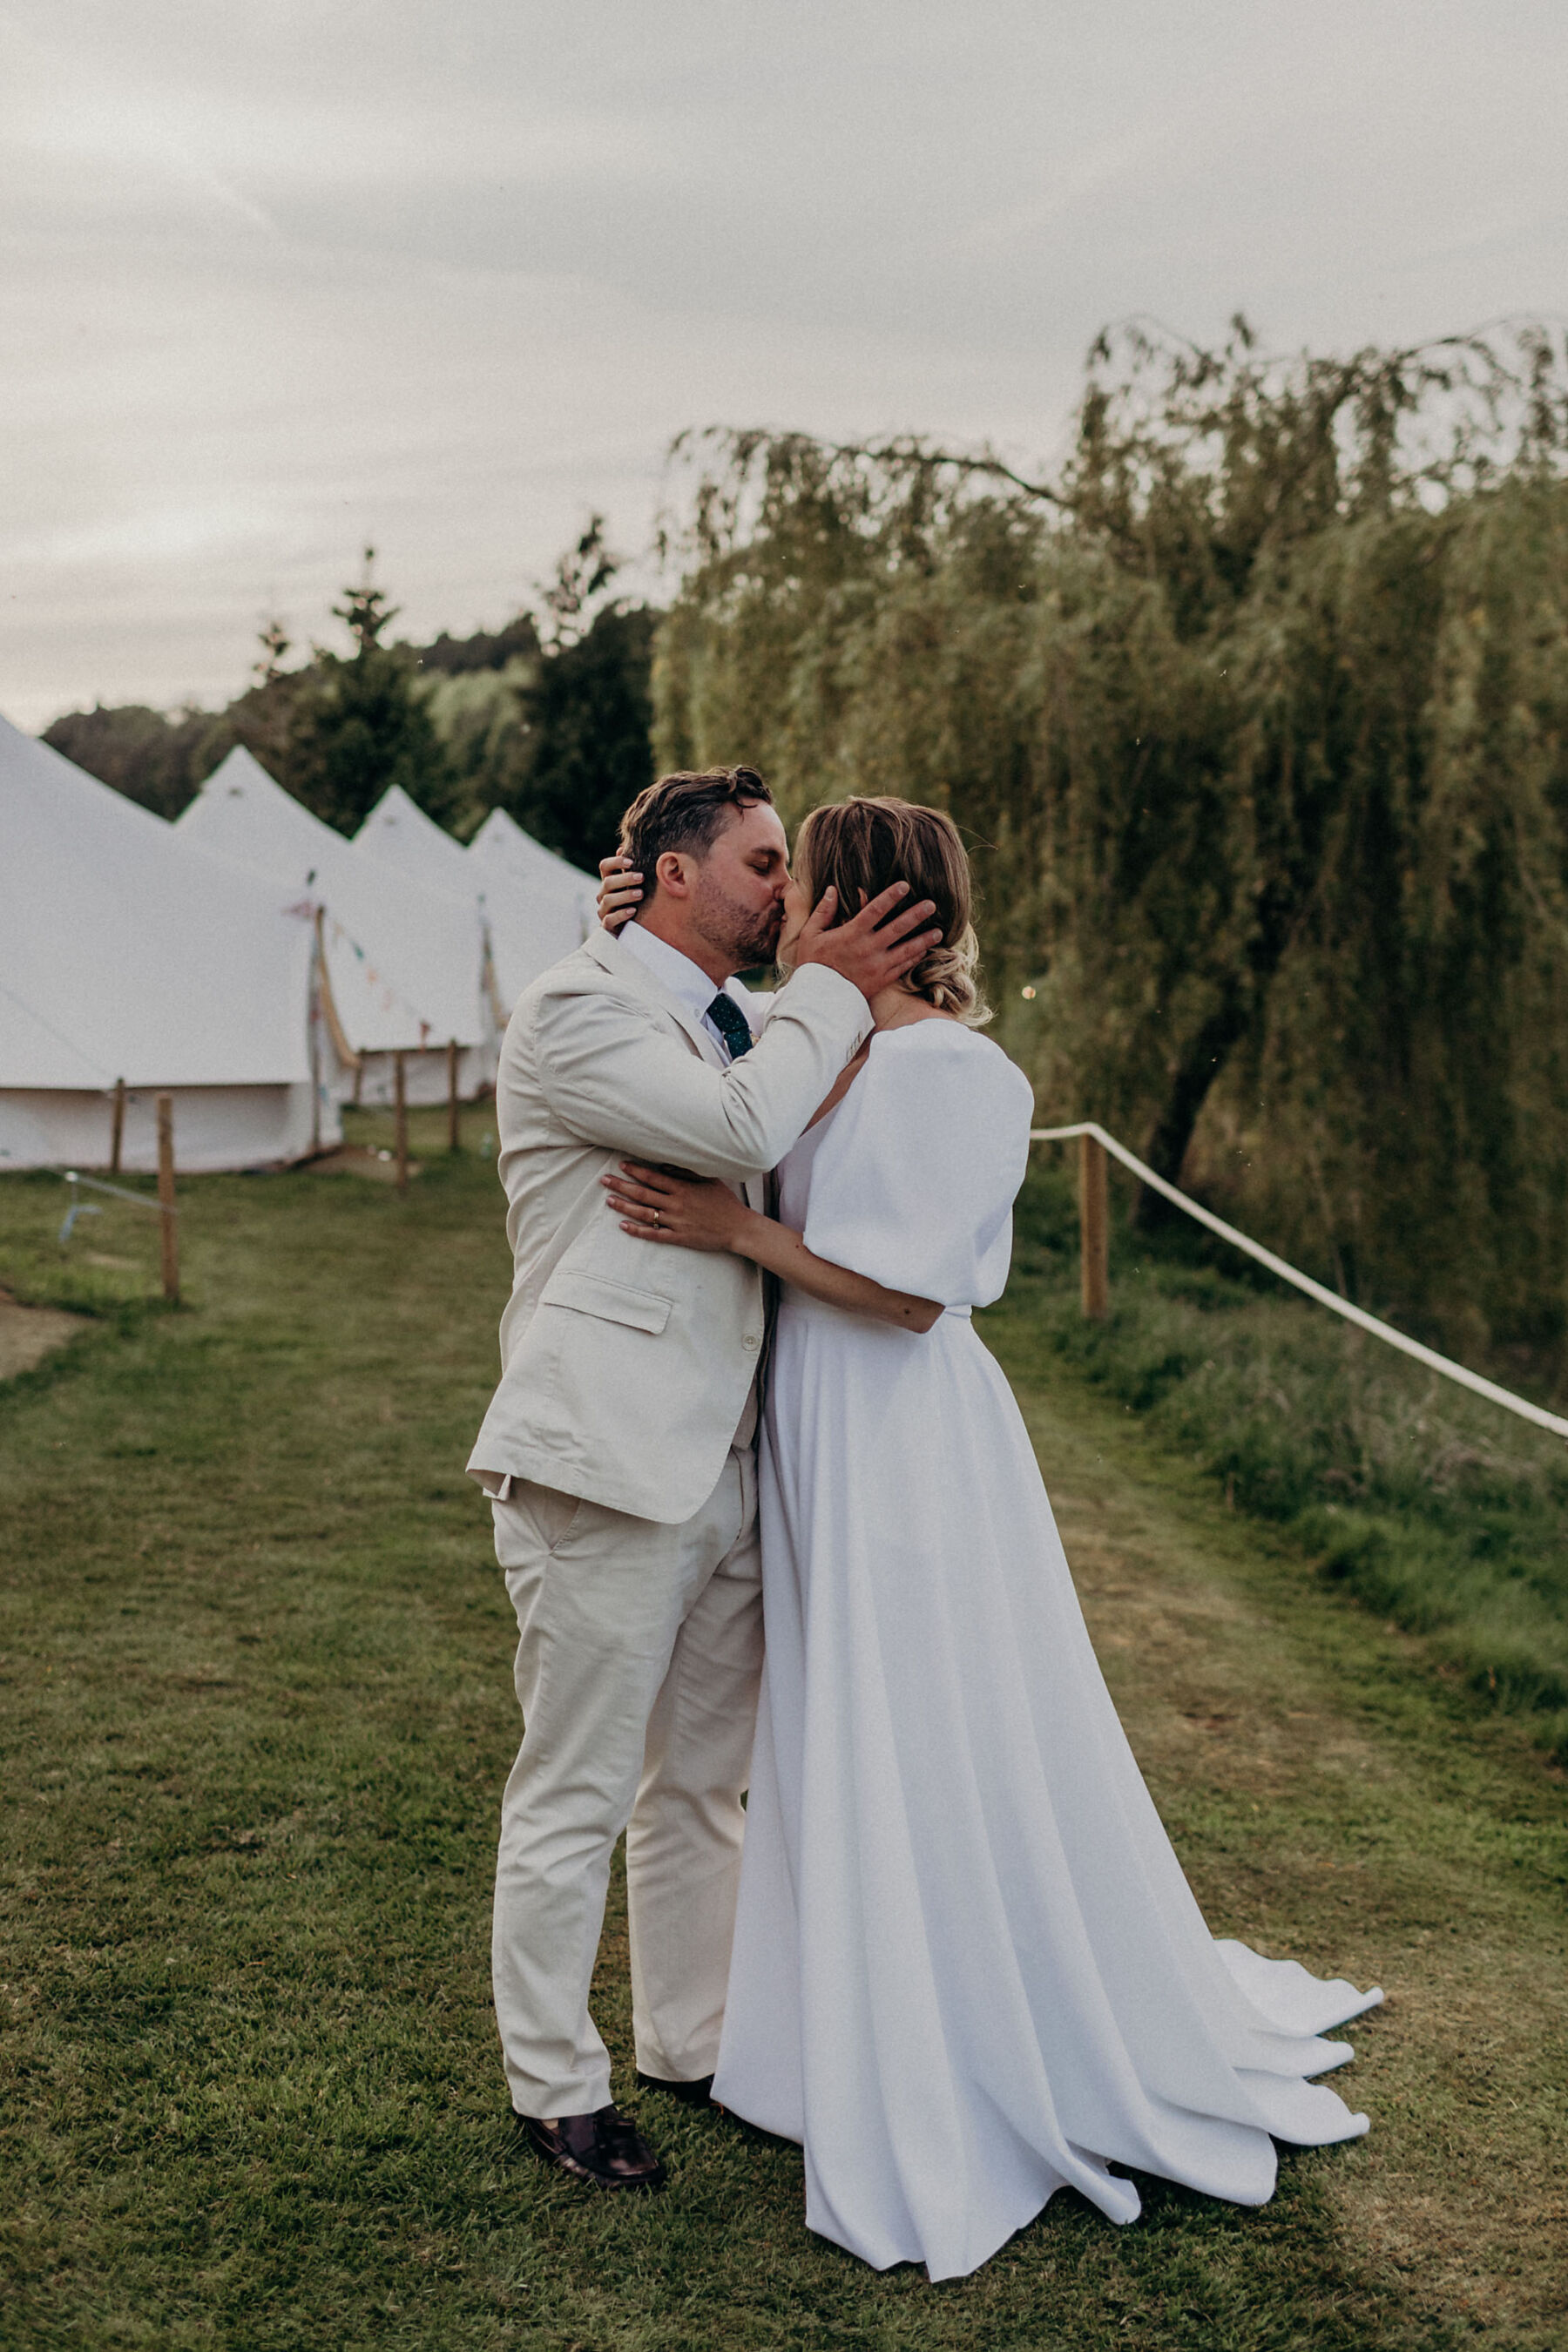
(168, 1229)
(452, 1136)
(1094, 1227)
(400, 1119)
(117, 1129)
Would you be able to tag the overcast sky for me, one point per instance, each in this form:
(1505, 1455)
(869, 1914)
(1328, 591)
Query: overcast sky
(282, 278)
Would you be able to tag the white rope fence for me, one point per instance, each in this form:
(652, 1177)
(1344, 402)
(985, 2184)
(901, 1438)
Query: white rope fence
(1331, 1298)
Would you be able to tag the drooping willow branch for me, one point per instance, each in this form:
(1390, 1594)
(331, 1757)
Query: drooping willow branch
(1156, 406)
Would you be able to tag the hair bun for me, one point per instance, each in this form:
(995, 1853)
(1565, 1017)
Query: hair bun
(945, 977)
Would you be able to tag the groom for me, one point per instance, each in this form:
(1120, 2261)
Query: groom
(619, 1450)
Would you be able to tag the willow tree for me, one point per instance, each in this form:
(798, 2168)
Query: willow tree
(1251, 717)
(1408, 1068)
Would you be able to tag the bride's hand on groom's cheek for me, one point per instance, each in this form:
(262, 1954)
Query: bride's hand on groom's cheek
(695, 1213)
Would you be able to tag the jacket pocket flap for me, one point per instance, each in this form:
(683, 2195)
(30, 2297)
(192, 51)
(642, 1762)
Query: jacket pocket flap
(614, 1302)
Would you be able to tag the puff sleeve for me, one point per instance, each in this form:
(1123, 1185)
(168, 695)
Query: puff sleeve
(914, 1183)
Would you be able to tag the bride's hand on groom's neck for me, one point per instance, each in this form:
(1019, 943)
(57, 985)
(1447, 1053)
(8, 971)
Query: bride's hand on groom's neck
(874, 949)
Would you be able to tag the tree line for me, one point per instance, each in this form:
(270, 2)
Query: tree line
(547, 718)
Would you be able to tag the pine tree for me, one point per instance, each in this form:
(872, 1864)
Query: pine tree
(359, 725)
(583, 751)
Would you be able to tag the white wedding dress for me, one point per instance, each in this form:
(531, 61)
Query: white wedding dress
(968, 1971)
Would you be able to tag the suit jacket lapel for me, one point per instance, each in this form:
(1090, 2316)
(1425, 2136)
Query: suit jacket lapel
(612, 957)
(607, 951)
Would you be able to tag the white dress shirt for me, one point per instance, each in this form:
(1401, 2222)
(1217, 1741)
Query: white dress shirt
(688, 981)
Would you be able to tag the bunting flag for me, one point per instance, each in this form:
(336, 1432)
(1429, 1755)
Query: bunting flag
(390, 999)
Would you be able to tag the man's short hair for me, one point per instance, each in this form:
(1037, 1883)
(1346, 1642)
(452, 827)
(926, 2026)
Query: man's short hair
(685, 811)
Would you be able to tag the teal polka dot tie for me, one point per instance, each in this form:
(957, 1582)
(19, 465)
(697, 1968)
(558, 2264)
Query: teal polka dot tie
(731, 1022)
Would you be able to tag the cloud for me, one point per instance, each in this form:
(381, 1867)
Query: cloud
(283, 278)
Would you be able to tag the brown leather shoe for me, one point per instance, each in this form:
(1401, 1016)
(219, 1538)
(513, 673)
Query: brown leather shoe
(698, 2094)
(604, 2147)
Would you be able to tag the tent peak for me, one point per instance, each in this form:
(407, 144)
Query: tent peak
(398, 807)
(239, 767)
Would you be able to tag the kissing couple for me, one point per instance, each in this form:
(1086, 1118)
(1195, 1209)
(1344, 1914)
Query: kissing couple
(953, 1954)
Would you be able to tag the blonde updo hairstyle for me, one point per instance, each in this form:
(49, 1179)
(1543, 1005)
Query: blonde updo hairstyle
(861, 846)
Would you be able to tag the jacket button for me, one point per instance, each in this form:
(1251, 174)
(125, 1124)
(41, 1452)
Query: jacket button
(751, 1340)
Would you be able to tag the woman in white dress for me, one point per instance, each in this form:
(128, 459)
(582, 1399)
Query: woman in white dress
(968, 1971)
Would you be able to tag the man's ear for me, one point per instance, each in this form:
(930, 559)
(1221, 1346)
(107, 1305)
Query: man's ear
(674, 872)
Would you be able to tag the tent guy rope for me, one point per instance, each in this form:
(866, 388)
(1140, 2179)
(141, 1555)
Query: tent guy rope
(1356, 1314)
(165, 1207)
(138, 1199)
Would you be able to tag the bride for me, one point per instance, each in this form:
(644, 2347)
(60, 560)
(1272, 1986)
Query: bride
(968, 1971)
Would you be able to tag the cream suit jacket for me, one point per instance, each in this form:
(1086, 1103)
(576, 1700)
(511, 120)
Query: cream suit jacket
(624, 1365)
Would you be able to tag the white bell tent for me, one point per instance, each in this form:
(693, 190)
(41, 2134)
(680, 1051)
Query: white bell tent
(535, 907)
(399, 834)
(130, 953)
(406, 962)
(541, 908)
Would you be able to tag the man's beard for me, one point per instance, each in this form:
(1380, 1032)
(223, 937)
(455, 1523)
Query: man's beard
(733, 930)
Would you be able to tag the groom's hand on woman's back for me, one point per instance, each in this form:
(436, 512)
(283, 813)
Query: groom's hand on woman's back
(875, 948)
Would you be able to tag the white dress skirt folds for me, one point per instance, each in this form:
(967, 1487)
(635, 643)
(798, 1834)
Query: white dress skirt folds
(968, 1971)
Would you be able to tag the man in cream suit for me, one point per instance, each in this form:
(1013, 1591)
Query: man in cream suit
(620, 1449)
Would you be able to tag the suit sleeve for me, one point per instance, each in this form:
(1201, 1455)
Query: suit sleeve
(615, 1076)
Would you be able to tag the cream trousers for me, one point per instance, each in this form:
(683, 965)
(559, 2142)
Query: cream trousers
(638, 1668)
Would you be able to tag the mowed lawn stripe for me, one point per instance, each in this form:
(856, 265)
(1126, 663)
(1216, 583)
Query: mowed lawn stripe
(257, 1713)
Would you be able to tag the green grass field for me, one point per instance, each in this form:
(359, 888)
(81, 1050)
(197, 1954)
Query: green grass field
(257, 1715)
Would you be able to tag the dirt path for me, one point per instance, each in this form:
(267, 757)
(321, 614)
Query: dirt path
(27, 1334)
(1327, 1809)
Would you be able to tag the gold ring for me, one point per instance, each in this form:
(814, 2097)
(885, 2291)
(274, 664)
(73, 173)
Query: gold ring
(655, 1216)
